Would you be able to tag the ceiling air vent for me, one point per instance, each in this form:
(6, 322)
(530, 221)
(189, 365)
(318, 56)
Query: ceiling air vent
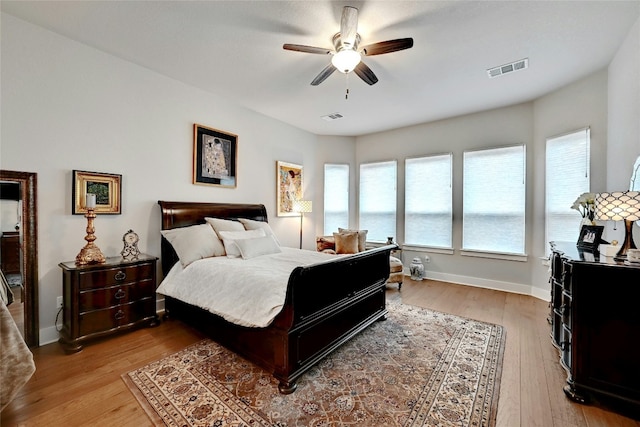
(508, 68)
(332, 116)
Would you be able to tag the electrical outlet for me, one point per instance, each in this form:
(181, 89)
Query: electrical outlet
(59, 302)
(427, 259)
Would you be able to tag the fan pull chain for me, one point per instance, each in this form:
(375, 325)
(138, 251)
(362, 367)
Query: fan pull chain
(346, 95)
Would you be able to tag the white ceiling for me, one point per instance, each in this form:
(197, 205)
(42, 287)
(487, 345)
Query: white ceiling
(234, 49)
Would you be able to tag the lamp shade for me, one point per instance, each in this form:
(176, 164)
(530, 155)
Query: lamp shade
(302, 206)
(618, 206)
(346, 60)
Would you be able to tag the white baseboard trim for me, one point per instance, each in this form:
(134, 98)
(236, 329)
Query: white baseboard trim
(48, 335)
(498, 285)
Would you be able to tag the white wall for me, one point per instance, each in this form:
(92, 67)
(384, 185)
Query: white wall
(67, 106)
(580, 104)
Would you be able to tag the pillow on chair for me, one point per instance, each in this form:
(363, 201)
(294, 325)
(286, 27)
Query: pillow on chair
(325, 243)
(362, 237)
(346, 243)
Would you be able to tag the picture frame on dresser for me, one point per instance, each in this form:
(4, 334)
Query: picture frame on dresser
(106, 186)
(590, 237)
(215, 157)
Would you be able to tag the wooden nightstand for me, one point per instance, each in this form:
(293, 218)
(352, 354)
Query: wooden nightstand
(103, 299)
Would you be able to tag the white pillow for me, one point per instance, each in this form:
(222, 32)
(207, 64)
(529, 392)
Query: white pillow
(250, 224)
(220, 224)
(194, 242)
(251, 248)
(229, 239)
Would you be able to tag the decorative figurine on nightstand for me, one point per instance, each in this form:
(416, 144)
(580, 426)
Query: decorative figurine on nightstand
(416, 269)
(130, 249)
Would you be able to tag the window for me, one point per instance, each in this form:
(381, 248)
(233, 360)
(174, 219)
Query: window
(336, 197)
(428, 201)
(378, 200)
(494, 200)
(566, 177)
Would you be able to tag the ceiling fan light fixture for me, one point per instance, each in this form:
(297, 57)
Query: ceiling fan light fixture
(346, 60)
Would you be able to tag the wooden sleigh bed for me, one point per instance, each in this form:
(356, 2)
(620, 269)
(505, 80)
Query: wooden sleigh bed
(326, 304)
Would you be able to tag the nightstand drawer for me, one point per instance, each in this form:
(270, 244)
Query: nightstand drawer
(96, 299)
(114, 317)
(115, 276)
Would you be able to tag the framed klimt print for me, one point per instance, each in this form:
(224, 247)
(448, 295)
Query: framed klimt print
(288, 187)
(214, 157)
(107, 188)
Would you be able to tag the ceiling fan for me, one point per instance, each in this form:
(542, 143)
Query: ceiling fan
(347, 55)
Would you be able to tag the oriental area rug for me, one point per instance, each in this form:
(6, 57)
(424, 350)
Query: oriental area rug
(417, 368)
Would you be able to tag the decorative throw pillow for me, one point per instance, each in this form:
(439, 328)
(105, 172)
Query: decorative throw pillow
(250, 224)
(194, 242)
(229, 239)
(257, 246)
(220, 224)
(362, 237)
(346, 243)
(324, 243)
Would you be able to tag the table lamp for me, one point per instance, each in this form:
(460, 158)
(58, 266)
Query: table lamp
(620, 206)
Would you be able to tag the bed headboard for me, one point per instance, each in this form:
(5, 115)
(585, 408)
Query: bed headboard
(183, 214)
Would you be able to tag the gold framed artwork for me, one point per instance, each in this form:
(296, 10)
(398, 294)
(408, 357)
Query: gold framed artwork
(214, 157)
(288, 187)
(107, 188)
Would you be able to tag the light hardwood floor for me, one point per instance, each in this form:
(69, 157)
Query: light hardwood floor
(86, 388)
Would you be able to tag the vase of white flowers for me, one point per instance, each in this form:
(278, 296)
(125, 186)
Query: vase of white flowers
(586, 206)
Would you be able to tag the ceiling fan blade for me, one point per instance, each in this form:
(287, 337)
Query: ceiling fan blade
(306, 49)
(349, 27)
(387, 46)
(365, 73)
(328, 70)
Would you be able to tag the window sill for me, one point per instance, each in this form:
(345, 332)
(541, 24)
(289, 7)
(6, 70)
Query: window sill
(495, 255)
(429, 249)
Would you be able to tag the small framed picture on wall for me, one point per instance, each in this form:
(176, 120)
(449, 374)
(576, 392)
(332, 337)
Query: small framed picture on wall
(105, 189)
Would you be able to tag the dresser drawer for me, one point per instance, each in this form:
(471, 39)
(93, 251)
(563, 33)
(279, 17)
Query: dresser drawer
(111, 318)
(115, 276)
(96, 299)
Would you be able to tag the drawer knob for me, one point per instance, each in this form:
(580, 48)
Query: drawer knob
(120, 275)
(120, 294)
(119, 315)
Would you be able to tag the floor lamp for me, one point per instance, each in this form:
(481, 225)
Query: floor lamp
(302, 206)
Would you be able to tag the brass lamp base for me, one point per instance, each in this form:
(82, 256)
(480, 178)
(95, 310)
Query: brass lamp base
(90, 254)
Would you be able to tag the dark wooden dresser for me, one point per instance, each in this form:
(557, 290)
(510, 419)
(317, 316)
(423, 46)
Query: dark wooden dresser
(103, 299)
(595, 323)
(10, 250)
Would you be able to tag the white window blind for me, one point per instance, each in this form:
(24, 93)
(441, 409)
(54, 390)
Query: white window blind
(336, 197)
(378, 189)
(428, 201)
(494, 200)
(567, 174)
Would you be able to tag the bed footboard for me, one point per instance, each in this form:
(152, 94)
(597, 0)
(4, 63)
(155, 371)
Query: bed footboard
(326, 305)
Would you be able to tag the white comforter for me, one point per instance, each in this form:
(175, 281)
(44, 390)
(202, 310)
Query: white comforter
(245, 292)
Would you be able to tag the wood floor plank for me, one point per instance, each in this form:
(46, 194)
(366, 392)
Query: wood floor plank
(87, 389)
